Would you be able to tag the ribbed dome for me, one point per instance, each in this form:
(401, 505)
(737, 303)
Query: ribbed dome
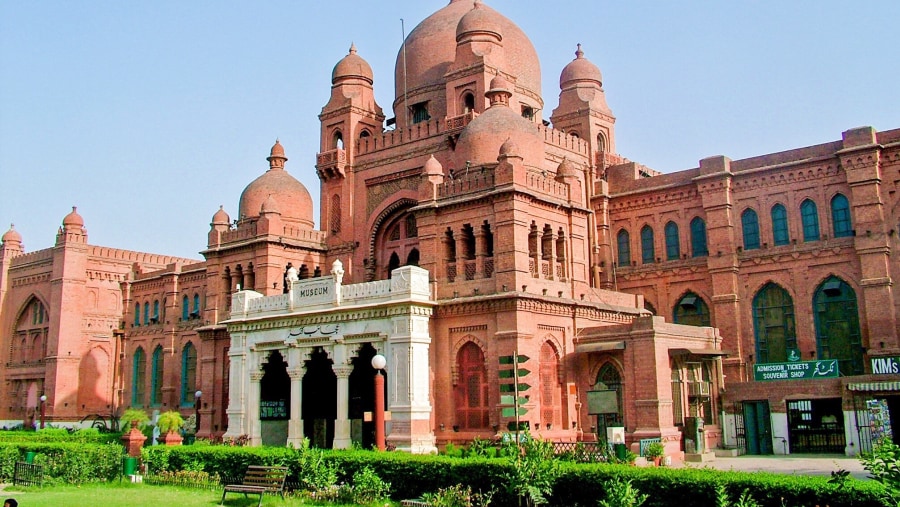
(289, 196)
(352, 66)
(580, 70)
(480, 142)
(431, 48)
(509, 148)
(11, 236)
(479, 21)
(73, 219)
(269, 206)
(221, 217)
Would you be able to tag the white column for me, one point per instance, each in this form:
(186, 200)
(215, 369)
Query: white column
(253, 408)
(295, 426)
(342, 423)
(237, 388)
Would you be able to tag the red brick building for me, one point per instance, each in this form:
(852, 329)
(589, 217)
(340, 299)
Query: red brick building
(641, 299)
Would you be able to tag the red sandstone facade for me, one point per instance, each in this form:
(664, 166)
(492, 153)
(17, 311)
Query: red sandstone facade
(540, 241)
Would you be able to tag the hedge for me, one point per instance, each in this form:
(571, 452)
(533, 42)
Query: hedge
(86, 435)
(579, 484)
(68, 462)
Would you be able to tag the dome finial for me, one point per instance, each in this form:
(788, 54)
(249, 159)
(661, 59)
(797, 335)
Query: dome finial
(352, 48)
(578, 52)
(276, 156)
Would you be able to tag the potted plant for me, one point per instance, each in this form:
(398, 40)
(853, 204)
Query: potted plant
(655, 451)
(134, 418)
(169, 423)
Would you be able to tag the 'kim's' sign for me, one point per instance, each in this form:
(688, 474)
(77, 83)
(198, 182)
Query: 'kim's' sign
(885, 365)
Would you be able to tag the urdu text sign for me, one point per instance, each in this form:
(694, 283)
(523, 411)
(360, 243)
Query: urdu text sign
(826, 368)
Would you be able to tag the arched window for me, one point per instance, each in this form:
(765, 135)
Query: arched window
(691, 310)
(673, 242)
(335, 214)
(773, 325)
(337, 140)
(840, 216)
(185, 308)
(750, 229)
(471, 392)
(413, 258)
(155, 317)
(468, 102)
(609, 378)
(137, 315)
(156, 377)
(601, 142)
(837, 325)
(528, 112)
(551, 392)
(393, 263)
(138, 378)
(196, 312)
(188, 374)
(809, 215)
(624, 244)
(698, 238)
(649, 307)
(146, 313)
(780, 235)
(648, 254)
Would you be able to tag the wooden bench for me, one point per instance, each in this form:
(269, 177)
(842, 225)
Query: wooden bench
(259, 480)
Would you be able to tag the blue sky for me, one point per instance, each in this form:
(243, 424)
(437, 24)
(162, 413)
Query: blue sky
(149, 115)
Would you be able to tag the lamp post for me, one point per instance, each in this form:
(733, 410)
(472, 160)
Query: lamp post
(379, 362)
(197, 396)
(43, 408)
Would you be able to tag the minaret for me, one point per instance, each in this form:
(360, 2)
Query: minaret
(10, 247)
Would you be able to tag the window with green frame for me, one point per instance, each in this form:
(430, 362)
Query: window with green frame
(648, 253)
(691, 310)
(698, 238)
(156, 377)
(623, 242)
(837, 325)
(146, 313)
(809, 215)
(137, 315)
(185, 308)
(188, 374)
(840, 216)
(773, 324)
(138, 378)
(673, 242)
(780, 234)
(196, 312)
(155, 316)
(750, 229)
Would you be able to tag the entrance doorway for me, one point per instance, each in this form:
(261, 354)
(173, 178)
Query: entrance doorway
(274, 401)
(362, 397)
(319, 408)
(757, 427)
(816, 426)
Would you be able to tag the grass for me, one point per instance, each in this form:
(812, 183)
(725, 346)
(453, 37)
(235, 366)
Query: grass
(136, 495)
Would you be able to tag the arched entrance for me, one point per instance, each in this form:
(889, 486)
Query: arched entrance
(274, 401)
(319, 409)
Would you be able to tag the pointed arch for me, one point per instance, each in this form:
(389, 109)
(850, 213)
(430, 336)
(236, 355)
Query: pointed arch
(138, 377)
(609, 377)
(809, 217)
(840, 216)
(698, 238)
(551, 389)
(471, 392)
(780, 233)
(648, 252)
(623, 244)
(673, 242)
(838, 335)
(188, 374)
(157, 376)
(774, 325)
(750, 229)
(691, 310)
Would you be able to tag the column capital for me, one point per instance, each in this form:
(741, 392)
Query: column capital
(343, 372)
(256, 376)
(297, 372)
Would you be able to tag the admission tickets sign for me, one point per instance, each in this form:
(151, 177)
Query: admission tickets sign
(825, 368)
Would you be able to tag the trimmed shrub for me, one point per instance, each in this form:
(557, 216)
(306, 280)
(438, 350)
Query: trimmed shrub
(68, 462)
(86, 435)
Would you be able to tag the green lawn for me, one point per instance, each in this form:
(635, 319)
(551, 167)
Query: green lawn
(134, 495)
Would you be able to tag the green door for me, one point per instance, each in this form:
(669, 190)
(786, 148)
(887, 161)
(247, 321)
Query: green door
(758, 427)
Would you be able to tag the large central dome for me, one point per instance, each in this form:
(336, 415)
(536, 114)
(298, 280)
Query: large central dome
(431, 48)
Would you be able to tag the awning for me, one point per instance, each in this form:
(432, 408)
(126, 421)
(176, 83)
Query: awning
(874, 386)
(699, 352)
(599, 346)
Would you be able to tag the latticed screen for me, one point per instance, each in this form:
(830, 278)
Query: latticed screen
(472, 390)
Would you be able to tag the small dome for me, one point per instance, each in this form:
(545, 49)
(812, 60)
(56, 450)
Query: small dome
(73, 219)
(481, 141)
(500, 84)
(352, 66)
(566, 169)
(433, 167)
(221, 218)
(479, 21)
(11, 236)
(269, 206)
(580, 70)
(277, 150)
(288, 195)
(509, 148)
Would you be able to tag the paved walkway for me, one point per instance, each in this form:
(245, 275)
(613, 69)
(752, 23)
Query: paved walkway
(822, 464)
